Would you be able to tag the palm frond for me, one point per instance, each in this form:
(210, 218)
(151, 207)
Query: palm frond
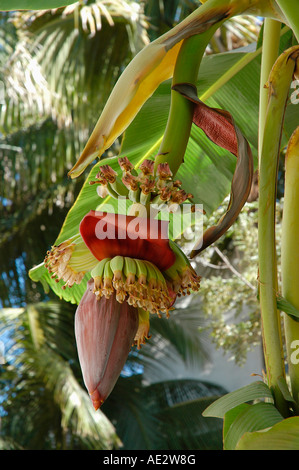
(163, 15)
(9, 444)
(182, 403)
(178, 344)
(40, 376)
(32, 160)
(166, 415)
(43, 365)
(72, 58)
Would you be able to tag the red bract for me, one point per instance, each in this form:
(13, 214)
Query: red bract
(105, 331)
(108, 235)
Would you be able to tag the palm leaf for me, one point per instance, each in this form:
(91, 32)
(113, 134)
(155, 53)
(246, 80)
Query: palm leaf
(177, 342)
(33, 159)
(165, 415)
(40, 355)
(67, 62)
(43, 364)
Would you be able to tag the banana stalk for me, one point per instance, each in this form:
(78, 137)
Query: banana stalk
(278, 85)
(290, 257)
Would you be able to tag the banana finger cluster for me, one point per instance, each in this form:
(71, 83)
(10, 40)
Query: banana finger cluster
(181, 277)
(143, 187)
(138, 282)
(142, 284)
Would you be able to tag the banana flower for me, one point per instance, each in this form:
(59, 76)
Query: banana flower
(135, 271)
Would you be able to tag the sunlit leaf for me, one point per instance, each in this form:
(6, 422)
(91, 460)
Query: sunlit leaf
(282, 436)
(251, 418)
(288, 308)
(243, 395)
(283, 386)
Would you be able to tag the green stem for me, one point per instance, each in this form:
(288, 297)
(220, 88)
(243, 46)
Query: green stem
(271, 328)
(290, 258)
(179, 123)
(290, 11)
(270, 50)
(271, 122)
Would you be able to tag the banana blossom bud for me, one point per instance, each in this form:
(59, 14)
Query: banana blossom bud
(105, 331)
(135, 271)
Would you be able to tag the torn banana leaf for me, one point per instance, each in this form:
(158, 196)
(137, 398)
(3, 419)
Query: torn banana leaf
(219, 127)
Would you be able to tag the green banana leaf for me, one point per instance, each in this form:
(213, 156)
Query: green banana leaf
(254, 391)
(282, 436)
(228, 81)
(251, 418)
